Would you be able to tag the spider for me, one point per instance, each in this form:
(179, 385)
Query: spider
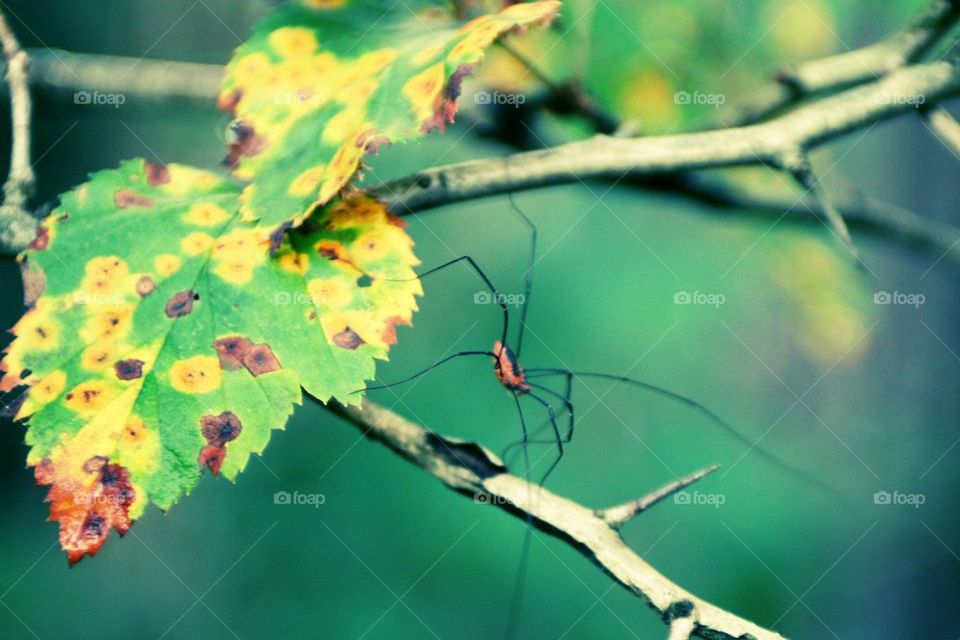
(523, 383)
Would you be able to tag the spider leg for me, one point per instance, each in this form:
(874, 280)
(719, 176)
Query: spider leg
(427, 369)
(558, 439)
(528, 284)
(497, 296)
(567, 399)
(750, 443)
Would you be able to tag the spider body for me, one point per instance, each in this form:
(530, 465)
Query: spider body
(508, 370)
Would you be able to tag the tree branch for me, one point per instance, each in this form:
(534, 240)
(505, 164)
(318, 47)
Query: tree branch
(851, 67)
(196, 84)
(781, 142)
(471, 470)
(17, 225)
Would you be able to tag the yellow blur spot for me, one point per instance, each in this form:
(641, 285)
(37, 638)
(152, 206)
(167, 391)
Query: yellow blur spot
(294, 262)
(292, 42)
(97, 357)
(167, 264)
(89, 397)
(196, 243)
(329, 292)
(235, 270)
(104, 274)
(49, 387)
(110, 325)
(206, 214)
(423, 91)
(199, 374)
(307, 182)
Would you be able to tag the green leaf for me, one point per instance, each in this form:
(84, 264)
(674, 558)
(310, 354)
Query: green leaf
(164, 337)
(323, 82)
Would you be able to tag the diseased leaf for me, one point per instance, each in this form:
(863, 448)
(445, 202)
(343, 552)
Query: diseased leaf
(321, 83)
(164, 337)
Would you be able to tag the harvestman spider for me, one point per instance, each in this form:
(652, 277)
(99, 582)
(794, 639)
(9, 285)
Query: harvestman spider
(520, 382)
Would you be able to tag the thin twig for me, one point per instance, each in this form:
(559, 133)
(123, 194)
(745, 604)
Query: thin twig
(471, 470)
(621, 514)
(17, 225)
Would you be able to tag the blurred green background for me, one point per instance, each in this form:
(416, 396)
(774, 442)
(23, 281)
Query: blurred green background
(854, 393)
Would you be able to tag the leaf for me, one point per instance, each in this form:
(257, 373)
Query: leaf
(323, 82)
(163, 337)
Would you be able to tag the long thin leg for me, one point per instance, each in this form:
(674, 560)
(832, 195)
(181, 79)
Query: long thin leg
(497, 296)
(528, 285)
(558, 440)
(523, 426)
(433, 366)
(567, 399)
(520, 583)
(690, 402)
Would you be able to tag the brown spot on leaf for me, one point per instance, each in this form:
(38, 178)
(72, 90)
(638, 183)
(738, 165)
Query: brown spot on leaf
(145, 286)
(260, 359)
(87, 509)
(125, 198)
(34, 282)
(390, 329)
(276, 236)
(218, 431)
(180, 304)
(348, 339)
(212, 457)
(42, 240)
(232, 350)
(157, 174)
(242, 142)
(129, 369)
(221, 429)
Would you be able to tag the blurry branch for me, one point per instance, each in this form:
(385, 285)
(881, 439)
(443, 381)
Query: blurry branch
(17, 224)
(939, 238)
(196, 84)
(851, 67)
(782, 142)
(944, 126)
(471, 470)
(142, 78)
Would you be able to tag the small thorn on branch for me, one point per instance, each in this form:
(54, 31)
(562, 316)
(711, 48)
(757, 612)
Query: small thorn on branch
(803, 174)
(619, 515)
